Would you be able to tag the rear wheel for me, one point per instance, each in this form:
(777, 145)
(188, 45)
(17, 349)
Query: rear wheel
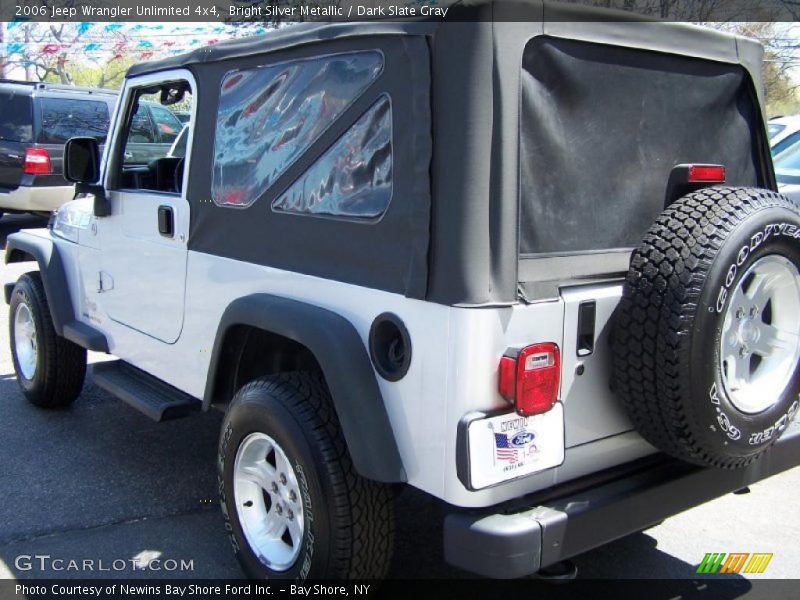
(50, 369)
(759, 343)
(293, 504)
(707, 340)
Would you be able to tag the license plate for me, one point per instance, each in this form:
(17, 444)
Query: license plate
(509, 446)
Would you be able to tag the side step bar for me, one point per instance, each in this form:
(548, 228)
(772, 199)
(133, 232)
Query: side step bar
(158, 400)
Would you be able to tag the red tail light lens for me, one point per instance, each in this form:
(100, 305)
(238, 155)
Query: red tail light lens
(530, 378)
(706, 174)
(37, 162)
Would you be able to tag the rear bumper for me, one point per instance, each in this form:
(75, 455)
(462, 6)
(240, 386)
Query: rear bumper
(542, 530)
(36, 199)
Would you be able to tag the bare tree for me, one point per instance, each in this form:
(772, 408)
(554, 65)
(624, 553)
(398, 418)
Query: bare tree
(49, 54)
(780, 47)
(44, 55)
(768, 21)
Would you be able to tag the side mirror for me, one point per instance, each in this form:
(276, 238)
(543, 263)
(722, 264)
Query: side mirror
(82, 167)
(82, 160)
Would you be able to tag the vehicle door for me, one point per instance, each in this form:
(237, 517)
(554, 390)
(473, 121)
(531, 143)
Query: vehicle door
(141, 282)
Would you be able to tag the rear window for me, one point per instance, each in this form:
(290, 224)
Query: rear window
(603, 126)
(16, 120)
(63, 118)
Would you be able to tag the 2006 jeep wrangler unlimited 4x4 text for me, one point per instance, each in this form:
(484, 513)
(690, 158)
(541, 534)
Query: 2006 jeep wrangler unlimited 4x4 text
(536, 268)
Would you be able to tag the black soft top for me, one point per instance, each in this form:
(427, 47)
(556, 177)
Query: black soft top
(457, 88)
(676, 38)
(291, 36)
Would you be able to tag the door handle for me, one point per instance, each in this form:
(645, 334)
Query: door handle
(586, 319)
(166, 221)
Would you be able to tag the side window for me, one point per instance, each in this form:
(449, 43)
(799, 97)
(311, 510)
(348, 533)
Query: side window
(269, 116)
(144, 156)
(354, 177)
(63, 118)
(16, 117)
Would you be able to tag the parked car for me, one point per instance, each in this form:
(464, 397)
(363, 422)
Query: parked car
(35, 121)
(390, 263)
(787, 172)
(784, 132)
(153, 131)
(182, 115)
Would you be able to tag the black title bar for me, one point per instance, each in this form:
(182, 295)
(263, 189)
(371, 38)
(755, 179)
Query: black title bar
(280, 11)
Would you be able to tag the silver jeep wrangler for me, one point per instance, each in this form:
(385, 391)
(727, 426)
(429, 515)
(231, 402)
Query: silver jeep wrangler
(536, 268)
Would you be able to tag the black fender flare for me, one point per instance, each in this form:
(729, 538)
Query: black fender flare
(21, 245)
(345, 364)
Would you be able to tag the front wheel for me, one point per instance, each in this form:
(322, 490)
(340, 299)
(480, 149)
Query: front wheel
(50, 369)
(293, 504)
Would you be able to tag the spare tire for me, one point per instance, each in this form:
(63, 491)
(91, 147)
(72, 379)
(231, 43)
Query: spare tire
(707, 335)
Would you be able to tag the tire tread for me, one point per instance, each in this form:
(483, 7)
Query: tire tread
(63, 363)
(364, 509)
(660, 298)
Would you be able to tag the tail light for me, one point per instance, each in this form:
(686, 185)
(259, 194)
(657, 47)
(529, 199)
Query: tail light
(529, 378)
(37, 162)
(706, 174)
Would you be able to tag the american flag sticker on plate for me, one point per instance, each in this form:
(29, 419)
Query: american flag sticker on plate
(508, 446)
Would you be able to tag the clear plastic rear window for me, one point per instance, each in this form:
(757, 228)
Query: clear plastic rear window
(354, 177)
(269, 116)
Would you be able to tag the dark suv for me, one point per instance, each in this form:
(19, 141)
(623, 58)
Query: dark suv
(35, 121)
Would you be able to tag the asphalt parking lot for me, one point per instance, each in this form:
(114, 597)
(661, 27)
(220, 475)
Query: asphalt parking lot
(101, 481)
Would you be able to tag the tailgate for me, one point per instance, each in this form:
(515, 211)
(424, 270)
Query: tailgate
(591, 411)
